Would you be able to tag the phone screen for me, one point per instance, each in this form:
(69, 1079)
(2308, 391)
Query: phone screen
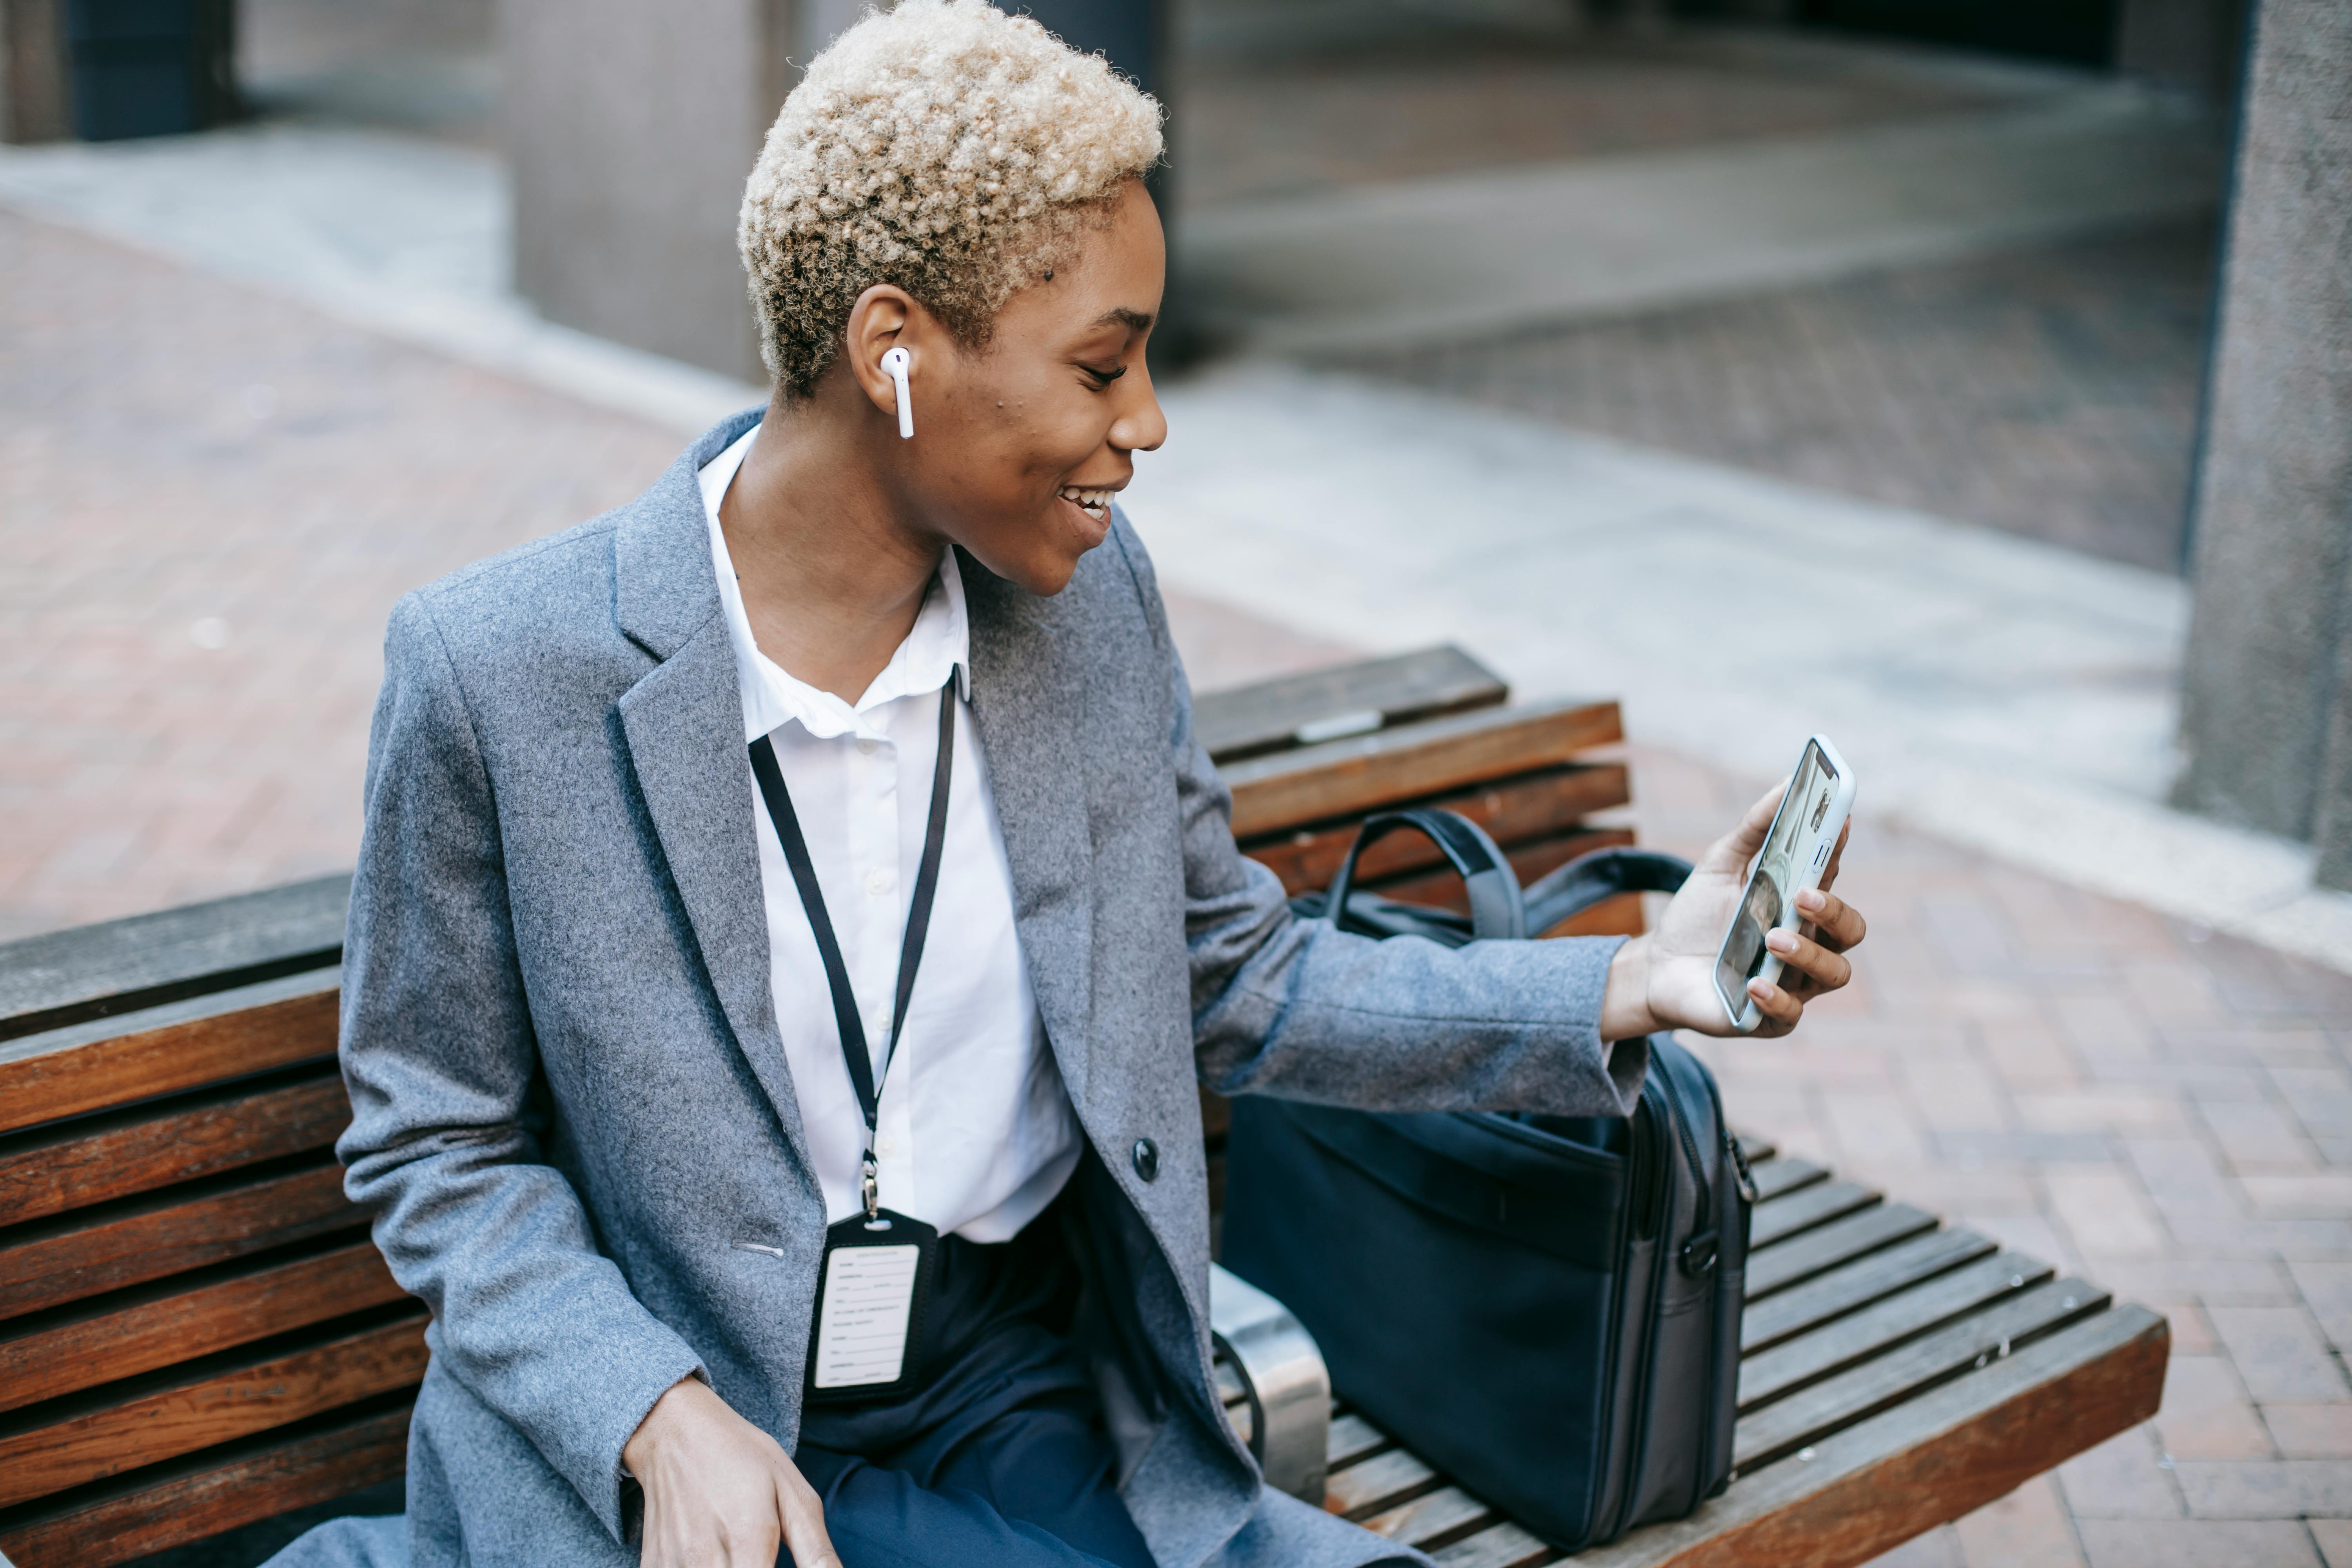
(1789, 847)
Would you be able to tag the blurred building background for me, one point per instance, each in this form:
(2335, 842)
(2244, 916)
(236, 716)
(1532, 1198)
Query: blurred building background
(1968, 379)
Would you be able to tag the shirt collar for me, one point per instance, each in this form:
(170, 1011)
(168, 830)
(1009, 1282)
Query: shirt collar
(939, 645)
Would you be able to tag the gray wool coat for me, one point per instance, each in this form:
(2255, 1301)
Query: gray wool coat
(570, 1100)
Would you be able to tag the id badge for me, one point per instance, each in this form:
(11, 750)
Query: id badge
(871, 1295)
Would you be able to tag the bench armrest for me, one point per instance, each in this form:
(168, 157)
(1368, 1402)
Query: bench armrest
(1283, 1376)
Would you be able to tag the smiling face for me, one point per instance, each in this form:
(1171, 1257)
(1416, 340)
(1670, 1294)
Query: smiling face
(1020, 444)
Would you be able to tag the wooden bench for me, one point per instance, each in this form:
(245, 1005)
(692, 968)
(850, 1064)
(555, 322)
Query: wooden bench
(195, 1332)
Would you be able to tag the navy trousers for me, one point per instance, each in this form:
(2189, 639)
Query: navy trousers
(998, 1460)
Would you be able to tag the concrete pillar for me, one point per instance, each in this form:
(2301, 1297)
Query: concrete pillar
(630, 129)
(2182, 42)
(2265, 688)
(35, 100)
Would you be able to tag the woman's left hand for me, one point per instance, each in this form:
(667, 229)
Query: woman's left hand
(1665, 980)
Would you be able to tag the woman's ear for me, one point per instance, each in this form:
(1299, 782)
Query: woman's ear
(886, 317)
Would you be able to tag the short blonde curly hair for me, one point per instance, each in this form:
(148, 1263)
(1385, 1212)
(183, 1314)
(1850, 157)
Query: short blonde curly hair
(944, 147)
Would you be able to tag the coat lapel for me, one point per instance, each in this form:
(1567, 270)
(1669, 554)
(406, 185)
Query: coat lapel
(1025, 695)
(684, 724)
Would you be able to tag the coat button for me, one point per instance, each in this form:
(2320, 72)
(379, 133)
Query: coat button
(1147, 1158)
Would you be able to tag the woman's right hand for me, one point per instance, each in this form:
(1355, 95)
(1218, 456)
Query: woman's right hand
(719, 1492)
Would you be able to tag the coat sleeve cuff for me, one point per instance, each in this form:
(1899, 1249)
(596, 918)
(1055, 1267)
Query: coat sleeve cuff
(634, 1391)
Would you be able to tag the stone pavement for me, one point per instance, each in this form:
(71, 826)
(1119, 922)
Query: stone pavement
(2050, 392)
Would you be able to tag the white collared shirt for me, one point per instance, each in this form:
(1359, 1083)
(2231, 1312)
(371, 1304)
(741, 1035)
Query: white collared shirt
(976, 1134)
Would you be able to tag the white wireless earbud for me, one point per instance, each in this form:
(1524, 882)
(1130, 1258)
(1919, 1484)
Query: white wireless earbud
(896, 363)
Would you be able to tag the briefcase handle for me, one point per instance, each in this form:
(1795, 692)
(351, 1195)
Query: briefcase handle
(1588, 879)
(1496, 909)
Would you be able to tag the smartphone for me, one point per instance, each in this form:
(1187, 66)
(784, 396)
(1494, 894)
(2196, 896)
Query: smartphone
(1796, 852)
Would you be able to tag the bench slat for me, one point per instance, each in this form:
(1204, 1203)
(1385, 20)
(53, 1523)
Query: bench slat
(1347, 778)
(1620, 914)
(1856, 1285)
(185, 1317)
(1266, 716)
(204, 1493)
(165, 1050)
(48, 1450)
(64, 977)
(1532, 805)
(1433, 1519)
(1352, 1438)
(1502, 1545)
(1926, 1462)
(1778, 1178)
(1383, 1481)
(1862, 1390)
(92, 1161)
(54, 1261)
(1776, 1219)
(1858, 1336)
(1817, 1251)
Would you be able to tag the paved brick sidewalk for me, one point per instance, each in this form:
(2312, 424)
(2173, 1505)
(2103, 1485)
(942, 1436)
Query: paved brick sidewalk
(2172, 1116)
(2165, 1111)
(209, 500)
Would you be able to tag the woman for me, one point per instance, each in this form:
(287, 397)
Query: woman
(807, 871)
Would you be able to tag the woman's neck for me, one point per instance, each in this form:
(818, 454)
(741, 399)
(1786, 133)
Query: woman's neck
(832, 576)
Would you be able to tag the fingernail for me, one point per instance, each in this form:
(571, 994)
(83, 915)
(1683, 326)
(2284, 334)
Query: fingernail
(1780, 942)
(1810, 899)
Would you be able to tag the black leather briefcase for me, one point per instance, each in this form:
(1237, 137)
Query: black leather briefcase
(1547, 1309)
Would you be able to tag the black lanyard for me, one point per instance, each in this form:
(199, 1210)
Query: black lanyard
(854, 1051)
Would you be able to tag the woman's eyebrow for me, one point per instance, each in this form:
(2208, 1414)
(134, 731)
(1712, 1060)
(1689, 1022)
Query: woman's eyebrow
(1119, 315)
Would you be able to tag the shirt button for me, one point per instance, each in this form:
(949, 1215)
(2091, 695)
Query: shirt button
(877, 883)
(887, 1147)
(867, 748)
(1147, 1158)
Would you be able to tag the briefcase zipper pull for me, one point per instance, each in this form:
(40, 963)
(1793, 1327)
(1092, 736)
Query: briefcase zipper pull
(1747, 1187)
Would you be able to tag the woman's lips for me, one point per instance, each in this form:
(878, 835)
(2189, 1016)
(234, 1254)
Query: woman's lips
(1094, 504)
(1090, 516)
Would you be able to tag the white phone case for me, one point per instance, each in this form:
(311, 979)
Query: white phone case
(1796, 852)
